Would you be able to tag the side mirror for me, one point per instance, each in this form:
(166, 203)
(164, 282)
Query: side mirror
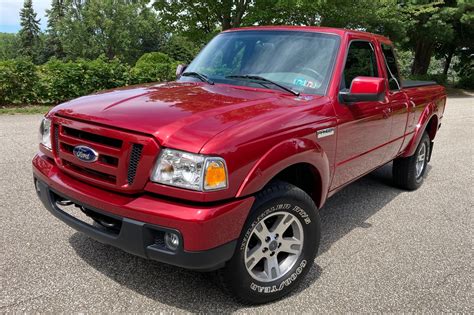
(180, 69)
(364, 89)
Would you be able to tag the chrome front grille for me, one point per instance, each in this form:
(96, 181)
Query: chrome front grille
(91, 137)
(124, 159)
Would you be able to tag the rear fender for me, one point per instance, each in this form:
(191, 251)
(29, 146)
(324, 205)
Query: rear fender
(428, 113)
(282, 156)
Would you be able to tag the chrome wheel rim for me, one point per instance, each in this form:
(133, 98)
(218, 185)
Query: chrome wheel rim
(274, 246)
(420, 160)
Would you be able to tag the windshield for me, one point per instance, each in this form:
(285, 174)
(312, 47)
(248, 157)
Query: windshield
(300, 61)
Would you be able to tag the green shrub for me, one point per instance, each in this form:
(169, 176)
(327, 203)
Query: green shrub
(405, 60)
(61, 81)
(154, 67)
(18, 82)
(21, 82)
(467, 81)
(465, 69)
(102, 74)
(180, 48)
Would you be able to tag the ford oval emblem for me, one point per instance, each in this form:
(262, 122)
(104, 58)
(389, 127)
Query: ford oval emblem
(85, 154)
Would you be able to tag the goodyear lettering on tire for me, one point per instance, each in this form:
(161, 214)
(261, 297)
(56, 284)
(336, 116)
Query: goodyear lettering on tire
(283, 284)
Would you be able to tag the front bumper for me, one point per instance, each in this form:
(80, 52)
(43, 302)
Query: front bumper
(207, 233)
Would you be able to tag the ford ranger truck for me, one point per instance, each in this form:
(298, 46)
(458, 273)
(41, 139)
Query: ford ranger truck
(226, 168)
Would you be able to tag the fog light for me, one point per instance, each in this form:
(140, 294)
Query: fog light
(171, 240)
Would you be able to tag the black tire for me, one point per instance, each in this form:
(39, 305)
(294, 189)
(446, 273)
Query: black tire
(404, 169)
(278, 198)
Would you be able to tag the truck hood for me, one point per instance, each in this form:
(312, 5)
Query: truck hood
(180, 115)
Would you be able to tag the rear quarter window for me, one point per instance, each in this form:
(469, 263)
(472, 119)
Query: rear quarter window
(391, 67)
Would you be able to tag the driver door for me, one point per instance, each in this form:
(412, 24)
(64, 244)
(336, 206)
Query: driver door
(363, 127)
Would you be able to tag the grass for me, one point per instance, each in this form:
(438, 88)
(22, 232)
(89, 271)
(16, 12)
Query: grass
(25, 110)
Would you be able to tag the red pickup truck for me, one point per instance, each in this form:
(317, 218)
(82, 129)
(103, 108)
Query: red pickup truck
(226, 168)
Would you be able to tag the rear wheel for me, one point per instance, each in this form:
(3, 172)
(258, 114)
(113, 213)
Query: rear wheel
(277, 246)
(408, 172)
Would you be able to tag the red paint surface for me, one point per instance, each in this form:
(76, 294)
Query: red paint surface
(259, 132)
(202, 226)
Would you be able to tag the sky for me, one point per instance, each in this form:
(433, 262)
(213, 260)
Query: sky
(10, 14)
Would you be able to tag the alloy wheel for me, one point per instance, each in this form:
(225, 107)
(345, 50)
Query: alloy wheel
(274, 246)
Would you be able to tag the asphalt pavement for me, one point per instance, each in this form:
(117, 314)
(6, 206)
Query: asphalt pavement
(383, 249)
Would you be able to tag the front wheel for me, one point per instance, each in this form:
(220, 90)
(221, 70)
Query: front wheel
(277, 246)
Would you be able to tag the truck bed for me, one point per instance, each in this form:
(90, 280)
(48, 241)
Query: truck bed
(412, 83)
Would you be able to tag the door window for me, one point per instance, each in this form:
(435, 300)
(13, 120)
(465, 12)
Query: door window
(361, 61)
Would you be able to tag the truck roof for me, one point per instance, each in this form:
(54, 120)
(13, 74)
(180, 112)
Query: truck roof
(330, 30)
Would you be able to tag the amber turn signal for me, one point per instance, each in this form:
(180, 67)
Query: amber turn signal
(215, 174)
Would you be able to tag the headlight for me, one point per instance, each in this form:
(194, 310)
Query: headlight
(45, 133)
(191, 171)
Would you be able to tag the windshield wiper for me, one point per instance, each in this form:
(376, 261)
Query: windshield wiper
(259, 78)
(198, 75)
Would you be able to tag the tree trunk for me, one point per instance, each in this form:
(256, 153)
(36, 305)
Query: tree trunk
(423, 53)
(110, 53)
(226, 23)
(447, 61)
(241, 7)
(226, 15)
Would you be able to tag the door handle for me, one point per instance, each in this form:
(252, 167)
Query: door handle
(386, 112)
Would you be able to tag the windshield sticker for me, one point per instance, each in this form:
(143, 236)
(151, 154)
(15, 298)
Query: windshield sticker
(305, 83)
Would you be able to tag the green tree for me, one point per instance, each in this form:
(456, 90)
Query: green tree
(30, 31)
(202, 19)
(116, 28)
(55, 16)
(380, 16)
(460, 19)
(8, 46)
(465, 66)
(429, 25)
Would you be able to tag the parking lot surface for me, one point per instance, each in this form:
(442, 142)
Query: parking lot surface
(383, 249)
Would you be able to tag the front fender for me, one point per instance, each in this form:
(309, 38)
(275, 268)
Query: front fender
(428, 113)
(280, 157)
